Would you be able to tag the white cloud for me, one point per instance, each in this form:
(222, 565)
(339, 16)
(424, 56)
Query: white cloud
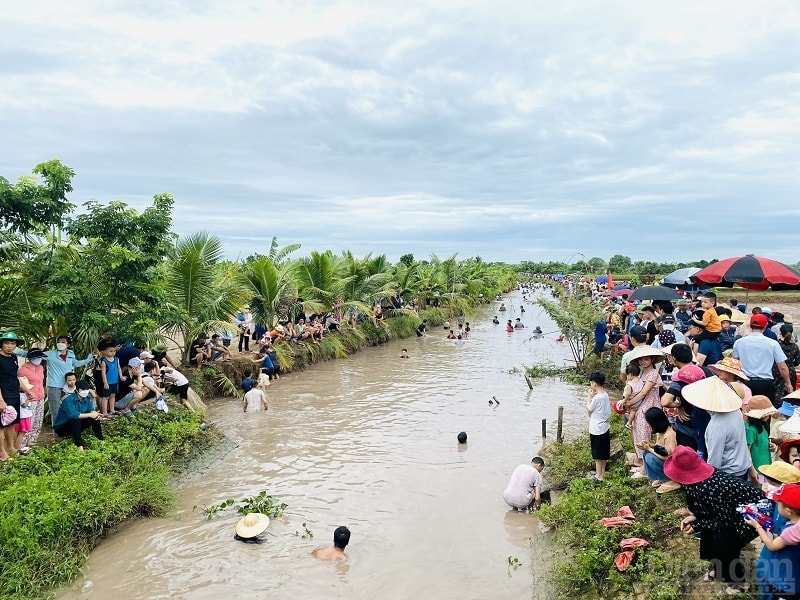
(445, 127)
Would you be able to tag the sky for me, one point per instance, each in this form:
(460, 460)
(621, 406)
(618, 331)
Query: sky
(513, 131)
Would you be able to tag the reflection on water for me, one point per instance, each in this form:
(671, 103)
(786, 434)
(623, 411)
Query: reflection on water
(368, 442)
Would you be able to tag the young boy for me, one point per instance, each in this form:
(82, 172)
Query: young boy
(711, 322)
(599, 410)
(248, 383)
(341, 537)
(111, 374)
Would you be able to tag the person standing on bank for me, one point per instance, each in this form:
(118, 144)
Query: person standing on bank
(599, 409)
(9, 391)
(60, 361)
(758, 354)
(76, 414)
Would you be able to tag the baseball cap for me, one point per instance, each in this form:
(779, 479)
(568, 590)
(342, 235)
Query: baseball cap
(667, 319)
(135, 362)
(759, 321)
(789, 494)
(145, 355)
(766, 310)
(689, 374)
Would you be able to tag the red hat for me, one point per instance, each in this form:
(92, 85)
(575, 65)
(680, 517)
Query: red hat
(689, 374)
(619, 407)
(759, 321)
(685, 467)
(789, 494)
(786, 446)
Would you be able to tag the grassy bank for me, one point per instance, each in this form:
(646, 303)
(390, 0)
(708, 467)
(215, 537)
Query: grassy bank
(58, 502)
(666, 570)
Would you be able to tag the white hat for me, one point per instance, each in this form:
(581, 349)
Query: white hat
(252, 525)
(712, 394)
(792, 425)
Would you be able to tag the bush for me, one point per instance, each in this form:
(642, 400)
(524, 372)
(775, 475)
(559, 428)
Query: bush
(58, 502)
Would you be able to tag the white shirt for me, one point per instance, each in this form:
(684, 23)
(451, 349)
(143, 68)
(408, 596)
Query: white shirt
(758, 353)
(254, 398)
(600, 412)
(520, 491)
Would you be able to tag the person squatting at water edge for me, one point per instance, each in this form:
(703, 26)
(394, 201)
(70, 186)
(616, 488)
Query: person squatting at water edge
(341, 537)
(524, 489)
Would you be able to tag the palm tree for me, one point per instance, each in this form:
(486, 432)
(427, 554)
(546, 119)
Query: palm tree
(272, 287)
(200, 295)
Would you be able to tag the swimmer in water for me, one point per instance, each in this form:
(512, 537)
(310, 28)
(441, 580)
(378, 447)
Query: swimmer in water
(502, 307)
(496, 321)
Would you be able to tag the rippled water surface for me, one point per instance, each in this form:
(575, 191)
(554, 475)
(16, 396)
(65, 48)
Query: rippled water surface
(368, 442)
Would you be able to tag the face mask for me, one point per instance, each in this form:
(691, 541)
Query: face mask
(771, 488)
(36, 361)
(83, 393)
(61, 347)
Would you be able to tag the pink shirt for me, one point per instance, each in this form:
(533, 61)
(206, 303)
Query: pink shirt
(35, 376)
(791, 535)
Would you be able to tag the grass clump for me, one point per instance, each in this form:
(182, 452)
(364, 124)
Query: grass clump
(59, 502)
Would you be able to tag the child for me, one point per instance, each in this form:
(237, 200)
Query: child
(756, 427)
(404, 353)
(111, 373)
(25, 422)
(599, 409)
(509, 326)
(711, 323)
(248, 383)
(779, 554)
(633, 385)
(466, 329)
(69, 386)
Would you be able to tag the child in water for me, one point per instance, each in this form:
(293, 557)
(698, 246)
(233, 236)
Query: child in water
(509, 326)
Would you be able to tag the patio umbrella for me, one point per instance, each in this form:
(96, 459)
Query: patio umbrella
(622, 291)
(680, 278)
(654, 292)
(601, 279)
(750, 272)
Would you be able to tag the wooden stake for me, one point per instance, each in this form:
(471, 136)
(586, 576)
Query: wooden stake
(544, 429)
(559, 437)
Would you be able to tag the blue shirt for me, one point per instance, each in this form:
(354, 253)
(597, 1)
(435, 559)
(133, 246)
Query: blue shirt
(600, 332)
(58, 367)
(73, 407)
(711, 350)
(248, 383)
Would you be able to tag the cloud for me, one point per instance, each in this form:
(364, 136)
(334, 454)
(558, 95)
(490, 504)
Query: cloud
(510, 131)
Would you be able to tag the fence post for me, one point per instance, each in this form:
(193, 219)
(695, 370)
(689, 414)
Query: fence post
(544, 429)
(559, 437)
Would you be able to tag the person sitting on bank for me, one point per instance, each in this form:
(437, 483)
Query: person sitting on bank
(76, 414)
(341, 537)
(524, 489)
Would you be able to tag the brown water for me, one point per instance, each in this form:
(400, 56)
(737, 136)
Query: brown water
(368, 442)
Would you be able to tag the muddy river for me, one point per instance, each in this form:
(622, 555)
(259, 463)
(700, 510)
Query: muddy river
(368, 442)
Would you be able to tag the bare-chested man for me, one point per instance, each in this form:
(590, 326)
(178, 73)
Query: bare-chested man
(341, 537)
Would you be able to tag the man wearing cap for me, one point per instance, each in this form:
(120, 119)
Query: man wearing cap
(665, 324)
(683, 315)
(758, 354)
(9, 391)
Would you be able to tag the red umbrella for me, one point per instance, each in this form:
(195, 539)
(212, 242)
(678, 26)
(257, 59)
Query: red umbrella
(751, 272)
(622, 292)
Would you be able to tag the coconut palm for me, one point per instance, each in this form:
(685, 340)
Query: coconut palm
(273, 287)
(201, 294)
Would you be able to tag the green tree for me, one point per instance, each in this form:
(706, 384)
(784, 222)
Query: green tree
(36, 204)
(620, 263)
(596, 265)
(201, 297)
(407, 259)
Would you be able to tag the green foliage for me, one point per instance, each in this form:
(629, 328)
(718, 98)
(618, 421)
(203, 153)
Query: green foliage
(407, 259)
(306, 533)
(34, 205)
(59, 502)
(376, 331)
(664, 569)
(332, 347)
(260, 503)
(402, 326)
(576, 320)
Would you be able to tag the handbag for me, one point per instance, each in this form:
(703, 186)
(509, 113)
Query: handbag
(8, 415)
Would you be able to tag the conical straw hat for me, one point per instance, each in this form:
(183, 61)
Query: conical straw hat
(713, 395)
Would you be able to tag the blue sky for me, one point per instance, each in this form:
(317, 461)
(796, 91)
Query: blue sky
(509, 130)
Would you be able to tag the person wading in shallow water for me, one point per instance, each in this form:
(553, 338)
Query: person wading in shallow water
(341, 537)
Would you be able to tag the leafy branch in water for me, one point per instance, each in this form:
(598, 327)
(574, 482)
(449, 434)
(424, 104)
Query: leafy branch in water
(307, 534)
(576, 319)
(262, 503)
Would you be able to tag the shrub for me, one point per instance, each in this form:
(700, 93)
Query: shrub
(58, 502)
